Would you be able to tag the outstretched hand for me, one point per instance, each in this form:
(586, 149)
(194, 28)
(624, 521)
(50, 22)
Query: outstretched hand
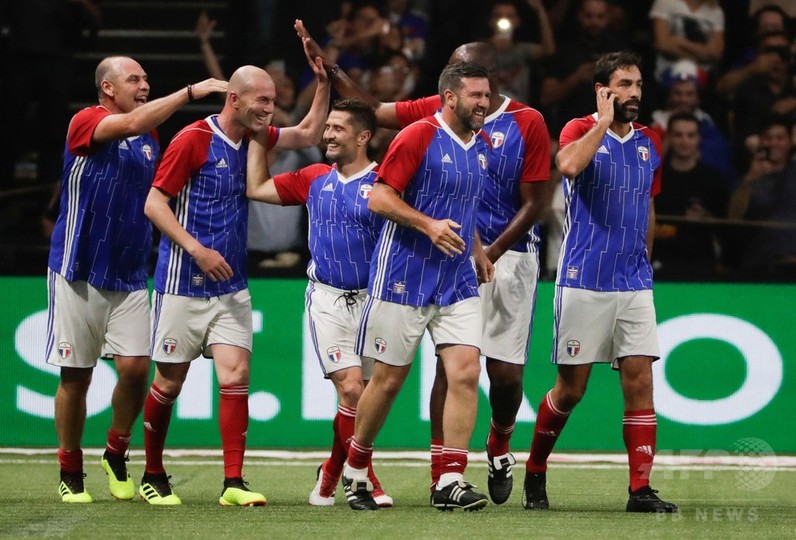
(311, 48)
(207, 87)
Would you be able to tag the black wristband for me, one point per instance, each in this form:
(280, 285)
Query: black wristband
(190, 92)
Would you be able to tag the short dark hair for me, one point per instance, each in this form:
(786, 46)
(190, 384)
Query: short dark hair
(452, 75)
(608, 63)
(776, 120)
(682, 116)
(362, 114)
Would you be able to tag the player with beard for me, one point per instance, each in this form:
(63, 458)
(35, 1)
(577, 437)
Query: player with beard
(424, 276)
(604, 310)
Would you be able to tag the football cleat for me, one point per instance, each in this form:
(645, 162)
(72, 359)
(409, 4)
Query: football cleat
(500, 480)
(237, 493)
(358, 493)
(459, 494)
(156, 490)
(323, 493)
(119, 481)
(534, 496)
(645, 500)
(71, 488)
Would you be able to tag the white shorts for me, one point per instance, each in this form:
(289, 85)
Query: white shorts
(600, 327)
(507, 304)
(334, 319)
(85, 323)
(184, 327)
(391, 332)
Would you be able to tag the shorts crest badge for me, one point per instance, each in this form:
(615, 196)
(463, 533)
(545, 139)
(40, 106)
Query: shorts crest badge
(334, 354)
(64, 349)
(381, 345)
(169, 345)
(573, 347)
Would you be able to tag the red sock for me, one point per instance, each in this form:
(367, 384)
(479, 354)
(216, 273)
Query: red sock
(117, 443)
(343, 431)
(71, 461)
(157, 415)
(497, 444)
(549, 423)
(233, 421)
(453, 460)
(436, 461)
(358, 455)
(638, 430)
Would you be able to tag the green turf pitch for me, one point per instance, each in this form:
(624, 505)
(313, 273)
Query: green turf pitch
(587, 501)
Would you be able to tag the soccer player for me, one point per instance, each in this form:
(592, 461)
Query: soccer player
(424, 276)
(201, 303)
(515, 198)
(342, 236)
(97, 277)
(604, 310)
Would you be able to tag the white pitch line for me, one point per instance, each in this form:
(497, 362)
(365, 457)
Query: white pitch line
(421, 458)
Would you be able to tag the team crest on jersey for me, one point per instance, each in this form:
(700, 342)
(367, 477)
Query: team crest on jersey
(644, 152)
(482, 160)
(573, 347)
(334, 354)
(169, 345)
(64, 349)
(381, 345)
(364, 191)
(497, 139)
(147, 151)
(198, 280)
(399, 287)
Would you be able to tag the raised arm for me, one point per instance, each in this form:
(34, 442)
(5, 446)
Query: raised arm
(309, 131)
(150, 115)
(204, 30)
(259, 184)
(343, 84)
(577, 155)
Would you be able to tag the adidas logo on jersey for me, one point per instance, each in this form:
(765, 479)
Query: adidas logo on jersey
(328, 187)
(602, 149)
(446, 159)
(646, 449)
(222, 164)
(123, 145)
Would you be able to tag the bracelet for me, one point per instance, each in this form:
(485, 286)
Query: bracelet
(190, 92)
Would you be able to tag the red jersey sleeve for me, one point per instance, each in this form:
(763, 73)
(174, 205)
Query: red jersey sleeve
(417, 109)
(81, 129)
(184, 156)
(405, 154)
(656, 179)
(293, 187)
(536, 162)
(574, 130)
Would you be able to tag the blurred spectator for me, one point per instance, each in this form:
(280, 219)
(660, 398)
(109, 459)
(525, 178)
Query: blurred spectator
(787, 6)
(765, 21)
(37, 67)
(683, 95)
(691, 29)
(567, 92)
(517, 61)
(691, 250)
(762, 94)
(412, 25)
(768, 193)
(356, 39)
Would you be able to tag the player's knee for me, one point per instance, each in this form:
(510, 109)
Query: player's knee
(350, 392)
(466, 374)
(568, 397)
(134, 373)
